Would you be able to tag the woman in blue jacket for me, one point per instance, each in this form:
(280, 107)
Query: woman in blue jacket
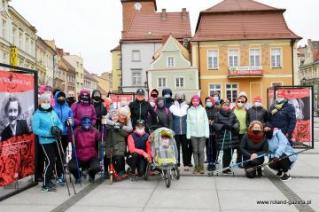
(281, 152)
(43, 121)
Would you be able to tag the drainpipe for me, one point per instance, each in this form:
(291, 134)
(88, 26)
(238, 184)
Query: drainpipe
(198, 64)
(292, 61)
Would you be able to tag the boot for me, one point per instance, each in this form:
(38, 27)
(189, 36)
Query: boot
(201, 169)
(195, 170)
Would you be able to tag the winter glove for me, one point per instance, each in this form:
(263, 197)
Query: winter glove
(69, 122)
(56, 132)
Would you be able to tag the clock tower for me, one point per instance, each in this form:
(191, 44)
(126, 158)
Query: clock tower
(132, 7)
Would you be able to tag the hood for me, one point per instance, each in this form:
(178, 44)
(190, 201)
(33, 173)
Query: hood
(167, 91)
(95, 92)
(57, 95)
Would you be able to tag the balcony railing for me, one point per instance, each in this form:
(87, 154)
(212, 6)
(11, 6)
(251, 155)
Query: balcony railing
(245, 71)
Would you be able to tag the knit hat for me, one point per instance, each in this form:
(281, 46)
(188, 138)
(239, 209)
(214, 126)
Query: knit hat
(124, 111)
(243, 94)
(45, 97)
(60, 94)
(281, 93)
(257, 99)
(196, 97)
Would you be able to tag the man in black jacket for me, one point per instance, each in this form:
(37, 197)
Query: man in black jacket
(141, 109)
(100, 109)
(257, 112)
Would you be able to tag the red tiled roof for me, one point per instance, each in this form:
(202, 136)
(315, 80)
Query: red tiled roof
(245, 20)
(155, 27)
(239, 5)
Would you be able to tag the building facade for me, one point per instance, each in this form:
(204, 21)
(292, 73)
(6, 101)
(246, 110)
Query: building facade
(309, 69)
(243, 46)
(143, 31)
(172, 69)
(16, 31)
(90, 83)
(45, 62)
(76, 62)
(116, 69)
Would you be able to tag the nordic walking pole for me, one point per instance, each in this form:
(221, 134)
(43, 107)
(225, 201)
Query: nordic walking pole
(102, 151)
(74, 154)
(282, 158)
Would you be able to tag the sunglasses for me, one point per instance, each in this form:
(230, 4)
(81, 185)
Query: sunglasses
(240, 101)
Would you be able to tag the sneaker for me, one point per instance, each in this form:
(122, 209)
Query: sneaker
(227, 171)
(47, 189)
(51, 184)
(285, 177)
(60, 181)
(279, 173)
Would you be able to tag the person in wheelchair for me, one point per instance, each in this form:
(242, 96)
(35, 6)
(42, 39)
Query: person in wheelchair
(139, 147)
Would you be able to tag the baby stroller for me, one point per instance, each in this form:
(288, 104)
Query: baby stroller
(164, 154)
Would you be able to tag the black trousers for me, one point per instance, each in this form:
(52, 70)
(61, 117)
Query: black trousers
(92, 165)
(250, 171)
(239, 155)
(138, 162)
(51, 156)
(39, 163)
(227, 157)
(65, 142)
(282, 165)
(118, 162)
(211, 150)
(181, 140)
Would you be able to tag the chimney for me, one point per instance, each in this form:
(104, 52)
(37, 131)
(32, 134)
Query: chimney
(164, 14)
(184, 13)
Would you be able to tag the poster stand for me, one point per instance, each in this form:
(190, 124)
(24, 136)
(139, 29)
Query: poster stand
(23, 183)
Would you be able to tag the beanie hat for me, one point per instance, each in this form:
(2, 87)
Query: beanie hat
(45, 97)
(257, 99)
(196, 97)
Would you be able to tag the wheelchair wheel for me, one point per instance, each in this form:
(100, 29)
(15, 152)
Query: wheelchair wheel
(168, 178)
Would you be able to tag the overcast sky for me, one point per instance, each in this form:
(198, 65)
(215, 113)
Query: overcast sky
(92, 28)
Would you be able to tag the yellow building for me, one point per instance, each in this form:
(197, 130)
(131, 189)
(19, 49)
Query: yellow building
(116, 69)
(243, 46)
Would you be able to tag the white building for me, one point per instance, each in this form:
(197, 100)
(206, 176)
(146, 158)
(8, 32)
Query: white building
(77, 62)
(16, 31)
(143, 33)
(45, 57)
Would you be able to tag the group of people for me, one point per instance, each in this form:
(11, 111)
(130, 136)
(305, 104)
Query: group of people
(200, 130)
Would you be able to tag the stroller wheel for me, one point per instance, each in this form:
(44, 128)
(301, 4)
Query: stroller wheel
(168, 178)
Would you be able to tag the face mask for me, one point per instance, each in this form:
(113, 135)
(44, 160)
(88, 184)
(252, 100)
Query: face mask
(226, 108)
(85, 99)
(61, 101)
(152, 104)
(258, 104)
(97, 98)
(154, 95)
(240, 105)
(166, 96)
(45, 106)
(71, 99)
(179, 101)
(140, 130)
(209, 104)
(256, 132)
(279, 99)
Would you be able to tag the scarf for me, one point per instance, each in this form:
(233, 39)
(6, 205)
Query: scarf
(278, 107)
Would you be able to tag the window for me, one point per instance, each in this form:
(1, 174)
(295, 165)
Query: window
(136, 56)
(212, 59)
(254, 55)
(232, 92)
(161, 82)
(275, 57)
(27, 44)
(136, 77)
(32, 47)
(170, 62)
(179, 82)
(233, 57)
(214, 88)
(20, 39)
(4, 29)
(14, 35)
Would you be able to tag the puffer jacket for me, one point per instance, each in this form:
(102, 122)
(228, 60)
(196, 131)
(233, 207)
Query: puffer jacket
(179, 112)
(141, 110)
(257, 113)
(279, 145)
(42, 121)
(86, 143)
(197, 123)
(81, 110)
(64, 112)
(284, 119)
(115, 139)
(226, 127)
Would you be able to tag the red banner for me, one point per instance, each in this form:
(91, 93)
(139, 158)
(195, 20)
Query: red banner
(16, 158)
(15, 82)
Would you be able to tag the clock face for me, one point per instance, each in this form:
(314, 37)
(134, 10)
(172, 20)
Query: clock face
(138, 6)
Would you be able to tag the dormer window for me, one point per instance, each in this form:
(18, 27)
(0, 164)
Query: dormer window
(170, 62)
